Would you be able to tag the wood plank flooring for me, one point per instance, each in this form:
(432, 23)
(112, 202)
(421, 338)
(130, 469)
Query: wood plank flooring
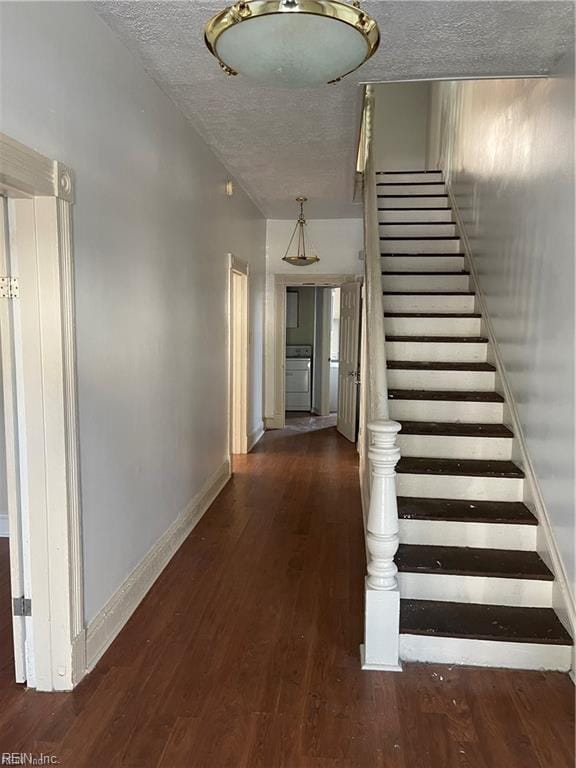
(245, 653)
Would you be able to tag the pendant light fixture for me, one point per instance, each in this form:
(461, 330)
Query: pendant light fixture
(292, 43)
(300, 258)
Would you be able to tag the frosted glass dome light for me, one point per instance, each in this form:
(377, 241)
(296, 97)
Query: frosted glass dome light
(292, 43)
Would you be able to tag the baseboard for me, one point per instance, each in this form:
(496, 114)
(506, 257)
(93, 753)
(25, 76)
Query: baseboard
(104, 628)
(78, 657)
(274, 422)
(565, 604)
(4, 525)
(255, 436)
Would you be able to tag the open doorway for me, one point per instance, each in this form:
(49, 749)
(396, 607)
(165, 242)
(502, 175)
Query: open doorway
(238, 334)
(311, 368)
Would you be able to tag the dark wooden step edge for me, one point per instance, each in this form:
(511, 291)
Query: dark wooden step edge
(473, 621)
(418, 208)
(417, 223)
(423, 238)
(466, 315)
(411, 196)
(437, 365)
(428, 293)
(469, 561)
(413, 465)
(460, 273)
(476, 396)
(455, 429)
(409, 183)
(383, 173)
(439, 339)
(461, 510)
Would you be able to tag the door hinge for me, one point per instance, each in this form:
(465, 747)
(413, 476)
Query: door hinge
(22, 606)
(9, 288)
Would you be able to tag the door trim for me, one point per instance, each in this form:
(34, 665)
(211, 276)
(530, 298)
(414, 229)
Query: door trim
(238, 322)
(278, 331)
(55, 545)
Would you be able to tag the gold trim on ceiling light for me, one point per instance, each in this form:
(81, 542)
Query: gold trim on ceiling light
(332, 9)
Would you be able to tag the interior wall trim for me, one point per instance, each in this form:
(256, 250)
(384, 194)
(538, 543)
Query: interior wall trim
(106, 626)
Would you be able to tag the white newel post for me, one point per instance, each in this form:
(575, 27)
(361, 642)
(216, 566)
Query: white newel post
(382, 615)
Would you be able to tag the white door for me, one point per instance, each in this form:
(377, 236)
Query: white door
(12, 448)
(349, 360)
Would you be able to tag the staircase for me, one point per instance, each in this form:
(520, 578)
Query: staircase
(473, 588)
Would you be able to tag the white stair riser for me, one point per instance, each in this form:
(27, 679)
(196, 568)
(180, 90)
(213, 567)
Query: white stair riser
(450, 533)
(422, 230)
(432, 326)
(459, 487)
(440, 303)
(422, 263)
(411, 202)
(451, 447)
(486, 590)
(422, 214)
(405, 378)
(485, 653)
(409, 176)
(437, 351)
(410, 189)
(446, 411)
(420, 246)
(427, 283)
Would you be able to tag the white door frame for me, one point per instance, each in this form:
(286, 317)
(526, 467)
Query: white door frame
(238, 346)
(281, 282)
(41, 195)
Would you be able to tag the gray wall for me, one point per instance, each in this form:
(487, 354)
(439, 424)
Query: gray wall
(152, 229)
(401, 126)
(508, 146)
(304, 333)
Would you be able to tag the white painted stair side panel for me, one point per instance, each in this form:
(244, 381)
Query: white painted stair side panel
(391, 245)
(447, 411)
(441, 304)
(485, 653)
(452, 533)
(406, 378)
(433, 326)
(430, 263)
(485, 590)
(451, 447)
(426, 283)
(419, 215)
(459, 487)
(437, 351)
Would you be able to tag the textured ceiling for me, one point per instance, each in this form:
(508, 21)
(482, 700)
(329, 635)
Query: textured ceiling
(281, 143)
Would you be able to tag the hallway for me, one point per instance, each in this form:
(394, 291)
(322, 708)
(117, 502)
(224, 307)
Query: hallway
(245, 652)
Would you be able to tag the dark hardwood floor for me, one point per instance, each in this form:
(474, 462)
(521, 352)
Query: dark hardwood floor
(245, 653)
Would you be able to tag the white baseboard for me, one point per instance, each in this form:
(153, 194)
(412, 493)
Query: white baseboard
(274, 422)
(564, 601)
(255, 436)
(3, 525)
(104, 628)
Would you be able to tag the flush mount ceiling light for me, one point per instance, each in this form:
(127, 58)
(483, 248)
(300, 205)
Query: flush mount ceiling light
(292, 43)
(300, 258)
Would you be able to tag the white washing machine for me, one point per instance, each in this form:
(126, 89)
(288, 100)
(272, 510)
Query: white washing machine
(299, 377)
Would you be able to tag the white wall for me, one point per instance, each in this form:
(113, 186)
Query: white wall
(336, 241)
(3, 497)
(508, 147)
(401, 126)
(152, 228)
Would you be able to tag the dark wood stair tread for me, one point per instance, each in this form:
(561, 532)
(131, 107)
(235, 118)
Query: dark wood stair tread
(417, 365)
(433, 314)
(426, 170)
(447, 395)
(409, 183)
(482, 622)
(457, 273)
(470, 561)
(418, 208)
(416, 465)
(420, 237)
(441, 339)
(455, 429)
(428, 293)
(459, 510)
(419, 195)
(417, 223)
